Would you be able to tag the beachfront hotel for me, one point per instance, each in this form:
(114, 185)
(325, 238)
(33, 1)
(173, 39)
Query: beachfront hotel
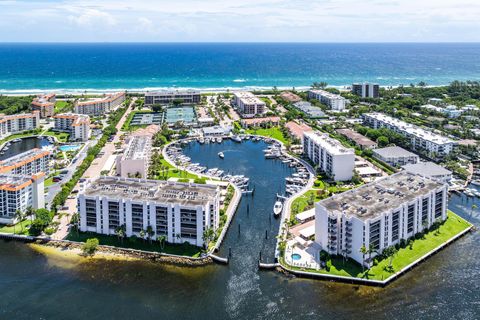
(78, 125)
(168, 97)
(136, 158)
(334, 101)
(179, 211)
(366, 90)
(420, 139)
(27, 163)
(45, 104)
(329, 155)
(18, 192)
(98, 107)
(379, 214)
(18, 123)
(248, 104)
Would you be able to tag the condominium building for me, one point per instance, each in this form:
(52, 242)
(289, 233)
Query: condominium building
(329, 155)
(248, 104)
(430, 170)
(420, 139)
(366, 90)
(45, 104)
(98, 107)
(334, 101)
(18, 123)
(27, 163)
(179, 211)
(168, 97)
(18, 192)
(78, 125)
(379, 214)
(395, 156)
(136, 158)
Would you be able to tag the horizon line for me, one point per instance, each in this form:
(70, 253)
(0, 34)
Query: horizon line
(239, 42)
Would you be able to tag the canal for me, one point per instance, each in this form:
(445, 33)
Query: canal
(44, 286)
(24, 145)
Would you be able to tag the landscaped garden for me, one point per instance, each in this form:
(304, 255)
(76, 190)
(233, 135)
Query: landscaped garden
(273, 132)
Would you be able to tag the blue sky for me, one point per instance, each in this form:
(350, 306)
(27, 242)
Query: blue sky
(240, 20)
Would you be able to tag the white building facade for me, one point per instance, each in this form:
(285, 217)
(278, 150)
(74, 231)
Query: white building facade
(99, 107)
(179, 211)
(334, 101)
(27, 163)
(18, 123)
(420, 139)
(329, 155)
(366, 90)
(248, 104)
(395, 156)
(78, 125)
(168, 97)
(136, 158)
(18, 192)
(379, 215)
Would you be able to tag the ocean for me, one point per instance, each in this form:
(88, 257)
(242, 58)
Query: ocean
(33, 67)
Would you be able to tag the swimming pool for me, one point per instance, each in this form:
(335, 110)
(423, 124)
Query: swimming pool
(69, 147)
(296, 257)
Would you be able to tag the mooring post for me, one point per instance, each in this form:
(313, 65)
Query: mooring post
(230, 252)
(239, 229)
(266, 234)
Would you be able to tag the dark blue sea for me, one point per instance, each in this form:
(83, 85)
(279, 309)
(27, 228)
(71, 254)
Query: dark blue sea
(30, 68)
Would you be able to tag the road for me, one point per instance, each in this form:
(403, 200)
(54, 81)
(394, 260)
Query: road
(93, 171)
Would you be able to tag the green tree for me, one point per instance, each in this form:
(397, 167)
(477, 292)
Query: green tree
(161, 239)
(208, 236)
(363, 251)
(90, 246)
(382, 141)
(150, 233)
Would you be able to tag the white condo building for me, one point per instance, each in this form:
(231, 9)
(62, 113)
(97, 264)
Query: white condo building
(248, 104)
(78, 125)
(334, 101)
(168, 97)
(27, 163)
(179, 211)
(330, 155)
(18, 192)
(136, 158)
(18, 123)
(101, 106)
(420, 139)
(395, 156)
(379, 214)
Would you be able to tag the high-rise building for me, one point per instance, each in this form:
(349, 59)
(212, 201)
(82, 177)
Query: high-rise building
(248, 104)
(366, 90)
(334, 101)
(78, 125)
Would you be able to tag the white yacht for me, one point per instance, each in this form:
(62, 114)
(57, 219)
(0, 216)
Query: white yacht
(277, 209)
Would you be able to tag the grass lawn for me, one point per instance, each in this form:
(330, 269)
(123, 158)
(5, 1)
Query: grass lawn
(139, 244)
(48, 182)
(452, 226)
(273, 132)
(60, 106)
(18, 228)
(301, 203)
(174, 172)
(61, 136)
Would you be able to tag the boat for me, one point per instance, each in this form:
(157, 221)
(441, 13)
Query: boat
(16, 140)
(5, 148)
(277, 209)
(201, 141)
(475, 182)
(219, 140)
(221, 155)
(236, 139)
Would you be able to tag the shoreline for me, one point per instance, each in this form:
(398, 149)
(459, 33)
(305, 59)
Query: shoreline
(93, 91)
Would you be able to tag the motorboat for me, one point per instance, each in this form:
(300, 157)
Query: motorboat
(277, 209)
(16, 140)
(475, 182)
(221, 155)
(236, 139)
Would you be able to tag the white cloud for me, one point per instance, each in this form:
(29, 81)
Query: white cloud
(93, 17)
(244, 20)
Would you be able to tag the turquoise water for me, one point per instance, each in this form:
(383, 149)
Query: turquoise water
(70, 147)
(34, 68)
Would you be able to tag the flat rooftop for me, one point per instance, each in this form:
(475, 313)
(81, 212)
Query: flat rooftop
(395, 152)
(428, 169)
(138, 148)
(23, 158)
(327, 94)
(410, 128)
(150, 190)
(248, 98)
(371, 200)
(172, 93)
(356, 137)
(331, 145)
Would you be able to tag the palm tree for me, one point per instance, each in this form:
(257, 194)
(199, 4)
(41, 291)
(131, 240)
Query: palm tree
(121, 232)
(208, 235)
(162, 239)
(29, 213)
(19, 217)
(150, 233)
(363, 251)
(371, 249)
(142, 234)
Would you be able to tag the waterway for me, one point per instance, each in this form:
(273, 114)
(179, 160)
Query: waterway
(38, 286)
(26, 144)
